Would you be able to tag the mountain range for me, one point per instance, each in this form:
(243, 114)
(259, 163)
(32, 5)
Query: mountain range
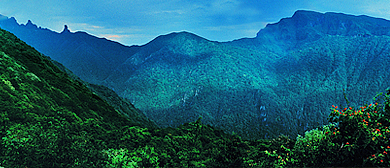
(283, 81)
(50, 118)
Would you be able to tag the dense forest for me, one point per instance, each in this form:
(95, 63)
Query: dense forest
(49, 119)
(280, 82)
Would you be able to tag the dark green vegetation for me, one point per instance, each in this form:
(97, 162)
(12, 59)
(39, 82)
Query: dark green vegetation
(50, 120)
(280, 82)
(122, 105)
(44, 113)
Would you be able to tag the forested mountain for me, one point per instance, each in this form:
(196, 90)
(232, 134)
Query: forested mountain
(120, 104)
(281, 82)
(47, 118)
(50, 118)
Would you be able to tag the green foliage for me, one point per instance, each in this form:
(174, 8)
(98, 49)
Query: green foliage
(362, 133)
(118, 158)
(358, 137)
(50, 120)
(269, 153)
(197, 145)
(142, 157)
(295, 72)
(313, 149)
(250, 91)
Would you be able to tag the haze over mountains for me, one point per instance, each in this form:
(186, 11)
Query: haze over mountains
(282, 81)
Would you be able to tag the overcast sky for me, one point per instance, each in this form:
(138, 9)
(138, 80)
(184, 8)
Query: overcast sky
(136, 22)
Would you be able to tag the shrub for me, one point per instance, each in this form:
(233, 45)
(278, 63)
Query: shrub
(30, 145)
(356, 137)
(142, 157)
(313, 148)
(362, 133)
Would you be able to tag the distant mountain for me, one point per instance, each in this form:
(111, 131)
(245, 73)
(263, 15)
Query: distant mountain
(283, 81)
(308, 26)
(80, 52)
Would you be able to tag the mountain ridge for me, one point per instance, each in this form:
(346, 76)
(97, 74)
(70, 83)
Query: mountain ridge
(332, 23)
(311, 26)
(63, 48)
(50, 118)
(256, 87)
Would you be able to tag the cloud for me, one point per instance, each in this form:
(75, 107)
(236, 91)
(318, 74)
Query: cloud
(73, 27)
(115, 37)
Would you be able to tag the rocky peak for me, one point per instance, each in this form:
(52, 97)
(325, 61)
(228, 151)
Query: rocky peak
(66, 30)
(31, 25)
(13, 20)
(310, 25)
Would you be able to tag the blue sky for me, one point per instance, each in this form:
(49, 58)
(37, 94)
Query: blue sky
(136, 22)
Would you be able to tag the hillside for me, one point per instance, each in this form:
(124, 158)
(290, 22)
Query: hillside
(120, 104)
(281, 82)
(41, 105)
(52, 120)
(256, 91)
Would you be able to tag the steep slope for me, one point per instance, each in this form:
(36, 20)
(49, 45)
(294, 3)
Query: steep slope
(42, 105)
(120, 104)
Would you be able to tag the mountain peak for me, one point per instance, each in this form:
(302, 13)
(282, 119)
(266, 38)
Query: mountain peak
(182, 34)
(176, 38)
(66, 30)
(311, 25)
(31, 25)
(13, 20)
(306, 12)
(306, 16)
